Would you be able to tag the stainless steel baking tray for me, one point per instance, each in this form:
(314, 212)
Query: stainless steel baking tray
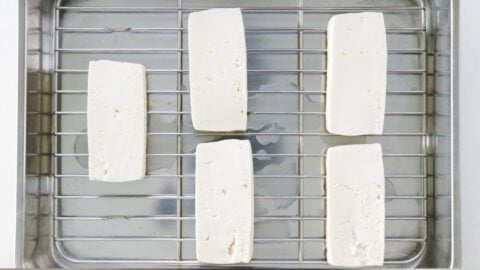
(66, 221)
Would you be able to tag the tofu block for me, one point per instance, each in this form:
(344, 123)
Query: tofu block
(117, 121)
(356, 74)
(355, 205)
(218, 70)
(224, 208)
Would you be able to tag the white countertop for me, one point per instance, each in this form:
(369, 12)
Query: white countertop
(8, 137)
(469, 130)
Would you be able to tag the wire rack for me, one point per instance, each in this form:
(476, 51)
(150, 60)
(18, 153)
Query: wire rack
(151, 222)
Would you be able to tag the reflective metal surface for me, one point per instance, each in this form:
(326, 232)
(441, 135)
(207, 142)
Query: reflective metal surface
(67, 221)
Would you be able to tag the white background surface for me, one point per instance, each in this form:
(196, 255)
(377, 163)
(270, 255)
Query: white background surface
(8, 135)
(469, 129)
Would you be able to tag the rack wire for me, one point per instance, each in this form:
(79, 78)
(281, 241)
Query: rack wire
(98, 223)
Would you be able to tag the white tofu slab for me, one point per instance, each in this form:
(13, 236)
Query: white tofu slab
(117, 121)
(355, 205)
(224, 208)
(218, 70)
(356, 74)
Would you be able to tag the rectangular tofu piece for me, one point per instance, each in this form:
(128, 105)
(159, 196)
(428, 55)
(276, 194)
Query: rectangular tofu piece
(218, 70)
(356, 74)
(355, 205)
(117, 121)
(224, 202)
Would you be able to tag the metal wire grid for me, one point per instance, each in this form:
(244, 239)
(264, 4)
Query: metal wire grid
(179, 197)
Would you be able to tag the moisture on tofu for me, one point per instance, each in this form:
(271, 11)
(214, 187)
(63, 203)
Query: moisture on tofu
(224, 208)
(355, 186)
(356, 74)
(116, 121)
(218, 70)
